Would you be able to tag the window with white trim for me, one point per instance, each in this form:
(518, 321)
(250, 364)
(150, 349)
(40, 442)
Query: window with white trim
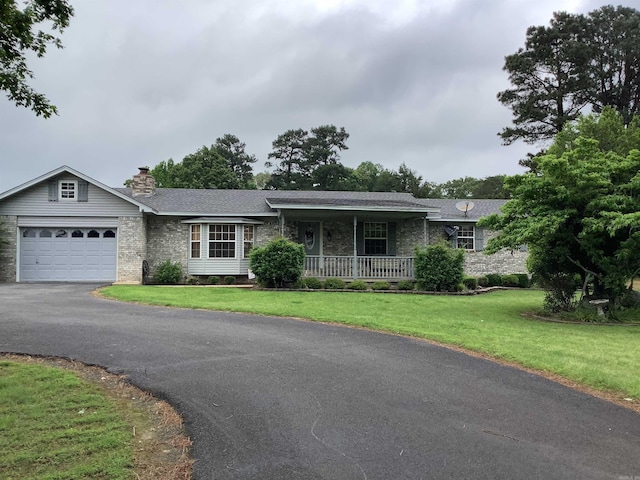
(68, 190)
(466, 237)
(375, 238)
(196, 241)
(222, 241)
(249, 234)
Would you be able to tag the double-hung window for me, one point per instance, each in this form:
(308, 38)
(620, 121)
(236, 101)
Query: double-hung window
(375, 238)
(248, 240)
(68, 190)
(196, 241)
(466, 237)
(222, 241)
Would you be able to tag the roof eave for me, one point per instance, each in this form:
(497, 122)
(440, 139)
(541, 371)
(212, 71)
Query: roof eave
(64, 168)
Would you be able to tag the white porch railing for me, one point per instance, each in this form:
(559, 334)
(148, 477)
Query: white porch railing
(388, 268)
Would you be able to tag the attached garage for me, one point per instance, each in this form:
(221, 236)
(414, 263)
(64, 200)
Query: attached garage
(68, 254)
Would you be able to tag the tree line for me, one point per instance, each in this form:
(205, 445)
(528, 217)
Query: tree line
(308, 160)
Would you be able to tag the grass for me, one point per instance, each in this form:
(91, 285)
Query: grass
(56, 426)
(602, 357)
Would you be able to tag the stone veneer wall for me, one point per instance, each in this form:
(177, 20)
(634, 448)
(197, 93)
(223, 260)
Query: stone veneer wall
(478, 264)
(132, 249)
(167, 238)
(266, 232)
(8, 250)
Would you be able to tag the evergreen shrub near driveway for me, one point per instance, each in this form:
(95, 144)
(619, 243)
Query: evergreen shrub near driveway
(312, 282)
(168, 273)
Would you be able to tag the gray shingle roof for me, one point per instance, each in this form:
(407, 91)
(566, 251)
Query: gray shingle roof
(448, 211)
(254, 202)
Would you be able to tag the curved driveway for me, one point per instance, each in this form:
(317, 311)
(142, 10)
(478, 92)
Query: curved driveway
(268, 398)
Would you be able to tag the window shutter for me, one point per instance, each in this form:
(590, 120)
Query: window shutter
(479, 238)
(360, 238)
(391, 238)
(53, 191)
(83, 191)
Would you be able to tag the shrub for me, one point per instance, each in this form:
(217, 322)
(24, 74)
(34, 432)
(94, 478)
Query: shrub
(510, 280)
(439, 268)
(483, 282)
(470, 283)
(494, 280)
(229, 280)
(312, 283)
(213, 280)
(278, 263)
(168, 273)
(523, 280)
(381, 285)
(406, 285)
(191, 280)
(358, 285)
(560, 292)
(334, 284)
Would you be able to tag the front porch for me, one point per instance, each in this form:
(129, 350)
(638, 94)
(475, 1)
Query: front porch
(359, 267)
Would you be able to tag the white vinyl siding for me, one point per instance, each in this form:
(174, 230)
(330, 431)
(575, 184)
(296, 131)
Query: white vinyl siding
(228, 241)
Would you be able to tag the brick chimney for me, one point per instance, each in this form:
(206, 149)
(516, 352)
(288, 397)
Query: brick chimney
(143, 183)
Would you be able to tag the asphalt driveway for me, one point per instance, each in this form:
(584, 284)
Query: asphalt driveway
(268, 398)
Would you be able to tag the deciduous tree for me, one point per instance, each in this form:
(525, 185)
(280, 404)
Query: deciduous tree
(18, 37)
(579, 211)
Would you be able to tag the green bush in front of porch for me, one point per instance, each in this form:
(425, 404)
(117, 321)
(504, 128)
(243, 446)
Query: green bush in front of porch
(279, 263)
(439, 268)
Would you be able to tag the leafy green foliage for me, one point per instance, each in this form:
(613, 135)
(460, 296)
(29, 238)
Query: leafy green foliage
(380, 285)
(229, 280)
(334, 283)
(224, 165)
(470, 283)
(299, 153)
(578, 62)
(439, 268)
(313, 283)
(560, 292)
(168, 273)
(579, 212)
(510, 280)
(277, 264)
(523, 280)
(358, 285)
(406, 285)
(213, 280)
(18, 39)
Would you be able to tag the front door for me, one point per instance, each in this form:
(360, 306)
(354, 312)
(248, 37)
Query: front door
(310, 236)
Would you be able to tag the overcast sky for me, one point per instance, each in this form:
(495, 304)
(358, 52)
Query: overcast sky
(143, 81)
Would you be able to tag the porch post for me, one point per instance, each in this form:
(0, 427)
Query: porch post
(424, 228)
(355, 247)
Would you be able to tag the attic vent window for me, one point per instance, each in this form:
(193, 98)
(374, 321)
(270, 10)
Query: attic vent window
(68, 190)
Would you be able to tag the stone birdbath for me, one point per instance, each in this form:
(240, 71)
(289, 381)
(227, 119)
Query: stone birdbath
(599, 304)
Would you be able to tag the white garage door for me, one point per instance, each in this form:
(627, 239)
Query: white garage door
(68, 254)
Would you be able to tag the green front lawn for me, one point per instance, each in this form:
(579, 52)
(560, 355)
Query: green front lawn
(56, 426)
(602, 357)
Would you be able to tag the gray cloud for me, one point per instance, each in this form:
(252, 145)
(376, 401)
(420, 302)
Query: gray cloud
(140, 82)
